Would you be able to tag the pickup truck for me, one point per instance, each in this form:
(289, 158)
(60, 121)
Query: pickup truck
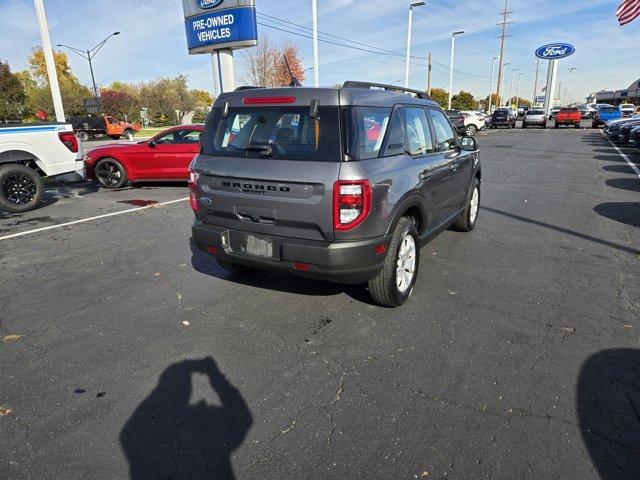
(85, 127)
(568, 116)
(30, 152)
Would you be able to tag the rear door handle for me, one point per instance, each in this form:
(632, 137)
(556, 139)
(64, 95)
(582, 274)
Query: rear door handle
(425, 174)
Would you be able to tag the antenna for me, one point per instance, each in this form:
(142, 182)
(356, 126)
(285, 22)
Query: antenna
(294, 80)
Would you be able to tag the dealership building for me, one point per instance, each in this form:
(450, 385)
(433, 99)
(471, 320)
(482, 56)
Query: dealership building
(616, 97)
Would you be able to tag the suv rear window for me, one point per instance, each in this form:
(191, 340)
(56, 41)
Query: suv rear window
(535, 112)
(608, 109)
(290, 133)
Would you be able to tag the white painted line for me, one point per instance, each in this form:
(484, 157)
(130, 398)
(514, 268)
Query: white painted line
(624, 155)
(97, 217)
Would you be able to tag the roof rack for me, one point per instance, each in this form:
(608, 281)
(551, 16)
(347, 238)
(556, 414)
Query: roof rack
(390, 88)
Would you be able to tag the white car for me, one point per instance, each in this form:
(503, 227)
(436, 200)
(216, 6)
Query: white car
(473, 122)
(30, 152)
(627, 109)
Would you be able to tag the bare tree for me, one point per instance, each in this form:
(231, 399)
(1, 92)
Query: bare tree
(265, 64)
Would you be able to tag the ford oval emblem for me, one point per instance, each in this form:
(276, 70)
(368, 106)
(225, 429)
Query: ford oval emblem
(206, 201)
(206, 4)
(555, 51)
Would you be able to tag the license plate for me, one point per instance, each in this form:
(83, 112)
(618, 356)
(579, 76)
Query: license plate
(258, 246)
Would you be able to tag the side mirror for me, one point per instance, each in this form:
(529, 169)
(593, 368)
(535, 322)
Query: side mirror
(151, 143)
(468, 144)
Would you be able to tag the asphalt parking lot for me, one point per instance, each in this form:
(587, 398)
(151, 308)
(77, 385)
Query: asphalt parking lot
(124, 353)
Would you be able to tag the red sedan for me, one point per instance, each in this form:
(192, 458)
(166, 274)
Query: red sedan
(165, 157)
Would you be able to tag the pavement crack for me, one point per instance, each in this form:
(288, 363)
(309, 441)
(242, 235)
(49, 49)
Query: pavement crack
(291, 426)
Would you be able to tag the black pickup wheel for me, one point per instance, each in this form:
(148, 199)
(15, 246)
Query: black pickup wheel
(21, 188)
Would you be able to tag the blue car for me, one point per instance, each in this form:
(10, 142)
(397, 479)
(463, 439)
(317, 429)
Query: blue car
(604, 114)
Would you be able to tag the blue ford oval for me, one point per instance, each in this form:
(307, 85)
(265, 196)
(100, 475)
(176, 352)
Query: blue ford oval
(555, 51)
(208, 3)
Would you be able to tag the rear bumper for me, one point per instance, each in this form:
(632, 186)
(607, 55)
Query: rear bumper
(342, 262)
(502, 123)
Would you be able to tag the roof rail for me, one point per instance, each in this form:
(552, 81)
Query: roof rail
(391, 88)
(246, 87)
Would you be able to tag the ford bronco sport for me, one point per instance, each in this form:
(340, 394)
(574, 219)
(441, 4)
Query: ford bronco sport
(342, 184)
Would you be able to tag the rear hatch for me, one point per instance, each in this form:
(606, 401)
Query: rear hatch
(268, 162)
(500, 115)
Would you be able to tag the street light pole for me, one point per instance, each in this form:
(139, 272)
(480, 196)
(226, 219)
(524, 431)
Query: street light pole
(513, 79)
(406, 72)
(518, 90)
(453, 48)
(504, 77)
(493, 67)
(316, 69)
(89, 55)
(49, 60)
(567, 93)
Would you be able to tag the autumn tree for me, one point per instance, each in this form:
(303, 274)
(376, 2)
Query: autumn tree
(12, 96)
(120, 103)
(265, 64)
(440, 96)
(202, 98)
(463, 101)
(168, 99)
(36, 84)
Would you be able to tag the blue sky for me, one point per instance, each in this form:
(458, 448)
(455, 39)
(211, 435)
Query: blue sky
(153, 42)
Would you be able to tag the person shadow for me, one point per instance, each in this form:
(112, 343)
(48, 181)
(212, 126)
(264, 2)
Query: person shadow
(166, 437)
(608, 408)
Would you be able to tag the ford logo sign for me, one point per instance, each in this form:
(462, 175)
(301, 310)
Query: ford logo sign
(208, 3)
(555, 51)
(206, 201)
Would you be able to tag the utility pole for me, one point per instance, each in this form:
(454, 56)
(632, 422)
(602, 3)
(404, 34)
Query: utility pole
(505, 16)
(316, 67)
(429, 70)
(567, 92)
(535, 83)
(48, 58)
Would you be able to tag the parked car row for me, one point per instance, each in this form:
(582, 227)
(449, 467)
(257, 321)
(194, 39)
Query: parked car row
(624, 130)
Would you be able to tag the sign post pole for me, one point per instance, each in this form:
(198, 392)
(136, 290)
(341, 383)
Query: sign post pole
(551, 86)
(224, 79)
(553, 52)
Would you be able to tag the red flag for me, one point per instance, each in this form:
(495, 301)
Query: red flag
(628, 11)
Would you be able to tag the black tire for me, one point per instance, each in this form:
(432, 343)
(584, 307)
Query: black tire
(471, 130)
(383, 287)
(464, 222)
(577, 125)
(234, 267)
(83, 136)
(21, 188)
(114, 137)
(524, 125)
(555, 125)
(110, 173)
(129, 135)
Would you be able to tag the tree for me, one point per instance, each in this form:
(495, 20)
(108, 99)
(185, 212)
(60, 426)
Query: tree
(35, 82)
(12, 95)
(202, 98)
(265, 64)
(168, 99)
(522, 102)
(464, 101)
(495, 100)
(441, 96)
(120, 104)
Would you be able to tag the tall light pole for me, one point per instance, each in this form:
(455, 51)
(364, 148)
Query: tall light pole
(567, 93)
(89, 55)
(316, 69)
(453, 48)
(513, 79)
(535, 83)
(48, 58)
(493, 67)
(518, 90)
(406, 72)
(504, 77)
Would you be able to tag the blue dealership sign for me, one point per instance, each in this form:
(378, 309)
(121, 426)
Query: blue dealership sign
(208, 3)
(229, 28)
(555, 51)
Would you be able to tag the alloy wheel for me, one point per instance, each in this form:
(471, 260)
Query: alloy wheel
(19, 189)
(406, 264)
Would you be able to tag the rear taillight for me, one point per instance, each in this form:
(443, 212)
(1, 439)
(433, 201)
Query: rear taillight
(70, 141)
(351, 203)
(192, 184)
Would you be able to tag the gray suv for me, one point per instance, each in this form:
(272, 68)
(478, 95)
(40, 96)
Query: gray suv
(342, 184)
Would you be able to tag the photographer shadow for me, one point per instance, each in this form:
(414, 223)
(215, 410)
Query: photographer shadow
(167, 437)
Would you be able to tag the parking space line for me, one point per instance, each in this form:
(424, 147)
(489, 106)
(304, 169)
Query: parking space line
(97, 217)
(626, 158)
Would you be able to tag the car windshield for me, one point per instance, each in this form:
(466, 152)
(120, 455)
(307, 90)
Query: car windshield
(535, 112)
(285, 133)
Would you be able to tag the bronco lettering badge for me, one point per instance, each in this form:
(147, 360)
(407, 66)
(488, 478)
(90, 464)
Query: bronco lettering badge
(249, 187)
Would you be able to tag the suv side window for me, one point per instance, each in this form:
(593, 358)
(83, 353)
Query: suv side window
(419, 141)
(395, 139)
(444, 133)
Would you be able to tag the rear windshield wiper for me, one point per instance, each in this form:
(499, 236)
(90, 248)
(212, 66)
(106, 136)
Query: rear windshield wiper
(263, 149)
